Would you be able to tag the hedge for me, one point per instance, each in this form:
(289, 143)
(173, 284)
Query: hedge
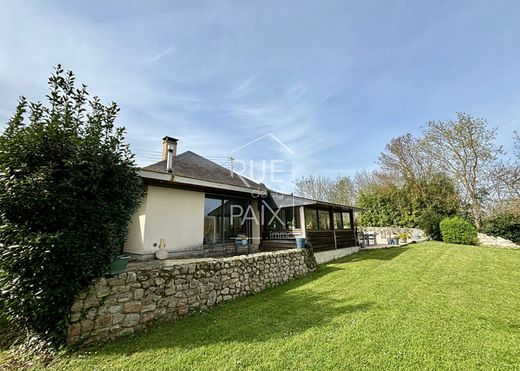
(505, 225)
(68, 190)
(458, 230)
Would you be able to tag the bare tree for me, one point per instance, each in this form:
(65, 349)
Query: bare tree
(313, 187)
(340, 190)
(365, 180)
(405, 157)
(465, 150)
(506, 175)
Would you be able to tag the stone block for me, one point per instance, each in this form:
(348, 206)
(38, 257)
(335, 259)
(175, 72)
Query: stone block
(147, 317)
(148, 308)
(138, 294)
(131, 277)
(183, 310)
(91, 302)
(103, 291)
(117, 318)
(86, 326)
(115, 309)
(74, 330)
(103, 321)
(77, 306)
(132, 307)
(131, 320)
(125, 296)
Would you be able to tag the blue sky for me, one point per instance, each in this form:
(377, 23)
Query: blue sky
(333, 80)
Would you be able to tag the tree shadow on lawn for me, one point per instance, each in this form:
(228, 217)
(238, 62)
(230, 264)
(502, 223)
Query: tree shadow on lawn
(275, 313)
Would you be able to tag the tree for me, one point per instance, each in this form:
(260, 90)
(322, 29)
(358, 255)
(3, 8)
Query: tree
(465, 150)
(339, 190)
(404, 157)
(506, 175)
(380, 206)
(68, 190)
(403, 205)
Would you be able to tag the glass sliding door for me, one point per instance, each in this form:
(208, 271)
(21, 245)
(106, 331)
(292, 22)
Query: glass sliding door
(225, 219)
(212, 220)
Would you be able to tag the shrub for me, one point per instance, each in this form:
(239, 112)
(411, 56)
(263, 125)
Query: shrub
(68, 189)
(458, 230)
(505, 225)
(430, 224)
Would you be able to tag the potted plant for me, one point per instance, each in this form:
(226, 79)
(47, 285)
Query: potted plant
(244, 238)
(119, 264)
(404, 236)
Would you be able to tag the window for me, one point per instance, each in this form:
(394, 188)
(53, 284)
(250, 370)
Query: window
(291, 217)
(338, 223)
(286, 218)
(346, 220)
(311, 219)
(224, 219)
(324, 219)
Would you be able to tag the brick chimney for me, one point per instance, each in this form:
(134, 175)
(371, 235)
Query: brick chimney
(169, 150)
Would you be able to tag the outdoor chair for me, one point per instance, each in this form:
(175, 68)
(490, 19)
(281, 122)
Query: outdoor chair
(370, 237)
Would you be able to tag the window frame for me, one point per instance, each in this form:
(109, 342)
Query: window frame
(222, 218)
(316, 211)
(350, 220)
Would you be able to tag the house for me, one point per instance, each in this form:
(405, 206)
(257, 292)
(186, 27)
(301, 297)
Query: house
(192, 203)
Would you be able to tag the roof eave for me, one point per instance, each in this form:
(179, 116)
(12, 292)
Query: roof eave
(187, 181)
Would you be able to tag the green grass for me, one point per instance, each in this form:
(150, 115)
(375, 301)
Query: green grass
(430, 305)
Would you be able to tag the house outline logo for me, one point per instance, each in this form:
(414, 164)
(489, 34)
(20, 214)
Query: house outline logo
(270, 135)
(275, 213)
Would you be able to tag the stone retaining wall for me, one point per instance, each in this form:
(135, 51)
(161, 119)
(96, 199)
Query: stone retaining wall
(173, 289)
(383, 233)
(486, 240)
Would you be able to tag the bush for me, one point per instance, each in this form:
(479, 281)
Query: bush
(458, 230)
(505, 225)
(430, 224)
(68, 190)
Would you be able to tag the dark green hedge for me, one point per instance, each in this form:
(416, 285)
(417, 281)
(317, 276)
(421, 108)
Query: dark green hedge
(458, 230)
(430, 224)
(68, 189)
(505, 225)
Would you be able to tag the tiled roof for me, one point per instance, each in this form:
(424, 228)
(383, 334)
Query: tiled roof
(192, 165)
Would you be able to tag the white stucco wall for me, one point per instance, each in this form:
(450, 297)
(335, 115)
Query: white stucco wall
(172, 214)
(136, 230)
(327, 256)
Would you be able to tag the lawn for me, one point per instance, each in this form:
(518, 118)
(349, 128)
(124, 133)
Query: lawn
(429, 305)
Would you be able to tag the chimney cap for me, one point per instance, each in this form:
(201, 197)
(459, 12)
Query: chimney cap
(170, 139)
